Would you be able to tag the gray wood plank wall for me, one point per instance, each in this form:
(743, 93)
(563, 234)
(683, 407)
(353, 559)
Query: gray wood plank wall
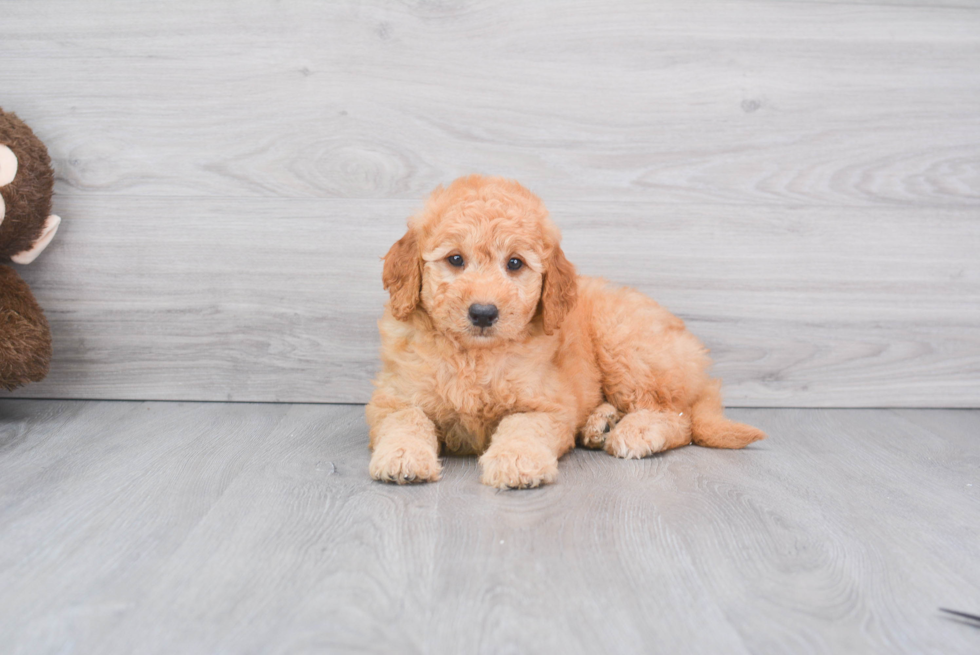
(799, 181)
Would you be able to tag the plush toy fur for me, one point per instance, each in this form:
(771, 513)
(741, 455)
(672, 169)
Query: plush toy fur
(568, 356)
(26, 228)
(25, 340)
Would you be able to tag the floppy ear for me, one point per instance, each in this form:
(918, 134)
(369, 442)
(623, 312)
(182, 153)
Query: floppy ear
(558, 291)
(402, 275)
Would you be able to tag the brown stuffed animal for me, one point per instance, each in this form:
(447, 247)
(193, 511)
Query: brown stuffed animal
(26, 228)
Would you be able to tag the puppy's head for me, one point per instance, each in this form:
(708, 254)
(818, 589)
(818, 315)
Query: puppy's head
(482, 259)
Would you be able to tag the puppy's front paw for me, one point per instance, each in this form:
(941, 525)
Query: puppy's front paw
(598, 425)
(518, 465)
(405, 463)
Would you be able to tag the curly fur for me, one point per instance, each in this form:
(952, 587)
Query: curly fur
(25, 339)
(569, 356)
(28, 198)
(26, 226)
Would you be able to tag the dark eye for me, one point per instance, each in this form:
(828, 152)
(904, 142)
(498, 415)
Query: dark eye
(514, 264)
(455, 260)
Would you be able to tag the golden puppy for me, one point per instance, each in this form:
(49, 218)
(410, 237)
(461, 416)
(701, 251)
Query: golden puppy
(491, 344)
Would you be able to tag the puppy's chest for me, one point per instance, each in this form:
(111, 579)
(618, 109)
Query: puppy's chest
(478, 387)
(467, 399)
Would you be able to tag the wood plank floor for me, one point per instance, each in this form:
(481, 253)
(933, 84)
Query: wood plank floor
(211, 527)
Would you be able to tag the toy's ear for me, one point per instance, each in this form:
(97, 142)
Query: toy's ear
(558, 290)
(402, 275)
(47, 233)
(8, 171)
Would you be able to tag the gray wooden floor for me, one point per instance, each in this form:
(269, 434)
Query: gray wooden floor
(209, 527)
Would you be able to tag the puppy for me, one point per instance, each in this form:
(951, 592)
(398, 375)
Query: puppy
(492, 345)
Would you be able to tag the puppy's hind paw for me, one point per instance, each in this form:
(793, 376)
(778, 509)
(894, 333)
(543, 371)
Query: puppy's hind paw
(405, 464)
(597, 427)
(645, 432)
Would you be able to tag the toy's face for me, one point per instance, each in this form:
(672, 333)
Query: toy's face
(8, 179)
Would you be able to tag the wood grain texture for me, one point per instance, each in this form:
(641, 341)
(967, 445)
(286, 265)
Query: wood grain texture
(800, 181)
(212, 527)
(751, 102)
(794, 315)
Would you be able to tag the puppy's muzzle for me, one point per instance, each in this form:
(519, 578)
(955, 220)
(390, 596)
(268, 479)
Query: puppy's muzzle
(483, 315)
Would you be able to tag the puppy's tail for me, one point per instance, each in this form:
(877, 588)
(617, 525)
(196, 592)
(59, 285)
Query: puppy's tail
(710, 428)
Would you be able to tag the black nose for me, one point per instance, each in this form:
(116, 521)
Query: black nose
(483, 315)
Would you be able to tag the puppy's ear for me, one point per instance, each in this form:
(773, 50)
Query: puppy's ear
(402, 275)
(558, 291)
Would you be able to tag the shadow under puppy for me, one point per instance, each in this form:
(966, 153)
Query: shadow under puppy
(492, 345)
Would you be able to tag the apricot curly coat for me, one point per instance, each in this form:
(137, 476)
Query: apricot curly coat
(569, 356)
